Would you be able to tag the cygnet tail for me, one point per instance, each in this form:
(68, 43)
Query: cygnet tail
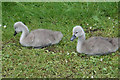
(116, 43)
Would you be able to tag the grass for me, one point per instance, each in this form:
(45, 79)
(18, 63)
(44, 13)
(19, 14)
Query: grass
(0, 52)
(61, 60)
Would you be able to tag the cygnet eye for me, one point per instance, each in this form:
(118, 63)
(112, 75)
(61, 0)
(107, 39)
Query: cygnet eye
(76, 32)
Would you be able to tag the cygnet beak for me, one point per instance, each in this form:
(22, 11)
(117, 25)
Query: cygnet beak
(73, 37)
(15, 33)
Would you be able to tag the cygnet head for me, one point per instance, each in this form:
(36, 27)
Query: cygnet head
(19, 27)
(77, 32)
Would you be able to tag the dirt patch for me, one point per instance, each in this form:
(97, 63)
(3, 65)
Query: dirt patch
(93, 30)
(52, 49)
(10, 41)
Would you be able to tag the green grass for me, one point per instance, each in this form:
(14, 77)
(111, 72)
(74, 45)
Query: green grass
(61, 60)
(0, 40)
(0, 52)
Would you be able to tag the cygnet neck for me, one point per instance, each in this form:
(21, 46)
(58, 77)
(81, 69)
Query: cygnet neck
(25, 32)
(80, 41)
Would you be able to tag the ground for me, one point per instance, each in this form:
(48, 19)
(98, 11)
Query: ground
(61, 60)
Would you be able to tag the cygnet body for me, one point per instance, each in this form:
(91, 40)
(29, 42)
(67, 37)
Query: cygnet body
(94, 45)
(37, 38)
